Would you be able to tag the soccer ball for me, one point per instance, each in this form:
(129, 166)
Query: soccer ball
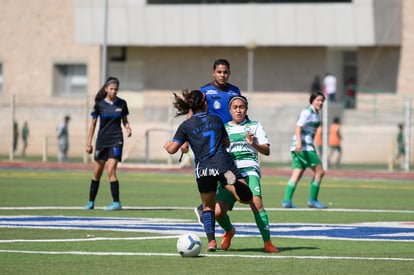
(189, 245)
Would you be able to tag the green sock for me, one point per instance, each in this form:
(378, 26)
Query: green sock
(262, 222)
(225, 223)
(289, 190)
(314, 190)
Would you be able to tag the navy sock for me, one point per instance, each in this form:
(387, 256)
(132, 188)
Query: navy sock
(93, 191)
(115, 190)
(209, 224)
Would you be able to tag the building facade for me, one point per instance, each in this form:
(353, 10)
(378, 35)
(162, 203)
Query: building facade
(51, 61)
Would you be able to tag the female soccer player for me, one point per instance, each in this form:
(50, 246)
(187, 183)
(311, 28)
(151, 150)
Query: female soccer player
(111, 111)
(304, 154)
(208, 139)
(247, 140)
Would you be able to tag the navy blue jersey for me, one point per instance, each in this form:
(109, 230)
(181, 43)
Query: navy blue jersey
(206, 134)
(218, 100)
(110, 120)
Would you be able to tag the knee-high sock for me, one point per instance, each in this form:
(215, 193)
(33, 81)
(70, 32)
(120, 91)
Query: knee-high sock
(209, 224)
(115, 190)
(225, 223)
(93, 191)
(314, 189)
(262, 222)
(289, 190)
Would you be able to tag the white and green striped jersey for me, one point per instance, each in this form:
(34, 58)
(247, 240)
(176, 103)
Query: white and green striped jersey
(309, 121)
(243, 153)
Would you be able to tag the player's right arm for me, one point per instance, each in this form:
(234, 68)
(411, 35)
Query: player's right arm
(89, 147)
(172, 147)
(298, 131)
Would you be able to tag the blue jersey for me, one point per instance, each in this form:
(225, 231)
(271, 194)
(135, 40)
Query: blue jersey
(218, 99)
(206, 134)
(110, 119)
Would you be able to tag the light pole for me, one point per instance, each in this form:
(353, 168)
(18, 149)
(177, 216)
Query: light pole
(251, 46)
(104, 43)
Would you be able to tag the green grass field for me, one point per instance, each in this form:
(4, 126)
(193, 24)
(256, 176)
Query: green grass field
(172, 196)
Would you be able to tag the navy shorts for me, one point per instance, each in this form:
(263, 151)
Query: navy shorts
(109, 153)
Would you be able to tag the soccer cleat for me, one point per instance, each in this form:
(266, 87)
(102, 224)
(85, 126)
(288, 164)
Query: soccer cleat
(270, 248)
(226, 241)
(288, 204)
(212, 246)
(199, 213)
(114, 206)
(89, 205)
(316, 204)
(230, 177)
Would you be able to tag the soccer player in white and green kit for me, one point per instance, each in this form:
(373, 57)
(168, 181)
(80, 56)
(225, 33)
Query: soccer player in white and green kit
(304, 154)
(247, 140)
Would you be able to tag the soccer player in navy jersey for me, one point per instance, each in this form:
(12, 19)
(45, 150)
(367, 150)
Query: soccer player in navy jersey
(218, 94)
(208, 139)
(112, 111)
(219, 91)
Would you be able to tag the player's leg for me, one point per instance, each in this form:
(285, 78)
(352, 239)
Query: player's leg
(298, 167)
(234, 182)
(291, 187)
(224, 201)
(207, 187)
(94, 186)
(114, 156)
(316, 181)
(260, 214)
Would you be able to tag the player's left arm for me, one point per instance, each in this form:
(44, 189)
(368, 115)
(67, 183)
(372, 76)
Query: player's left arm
(127, 127)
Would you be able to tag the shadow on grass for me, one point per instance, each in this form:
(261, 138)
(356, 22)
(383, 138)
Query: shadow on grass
(281, 249)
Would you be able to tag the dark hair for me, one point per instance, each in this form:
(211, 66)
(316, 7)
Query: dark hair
(336, 120)
(221, 62)
(193, 100)
(315, 95)
(101, 94)
(242, 98)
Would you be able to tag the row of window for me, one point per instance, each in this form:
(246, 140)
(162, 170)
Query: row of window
(242, 1)
(68, 80)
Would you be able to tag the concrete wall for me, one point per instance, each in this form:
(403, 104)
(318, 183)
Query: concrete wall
(134, 23)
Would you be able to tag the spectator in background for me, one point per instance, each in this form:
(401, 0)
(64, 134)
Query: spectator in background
(401, 146)
(335, 142)
(350, 93)
(329, 86)
(25, 136)
(15, 136)
(316, 85)
(63, 139)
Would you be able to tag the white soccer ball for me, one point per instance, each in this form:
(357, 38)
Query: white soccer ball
(189, 245)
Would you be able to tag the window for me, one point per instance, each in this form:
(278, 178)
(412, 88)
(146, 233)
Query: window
(70, 80)
(242, 1)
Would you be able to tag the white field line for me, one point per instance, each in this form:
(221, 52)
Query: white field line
(203, 255)
(191, 208)
(89, 239)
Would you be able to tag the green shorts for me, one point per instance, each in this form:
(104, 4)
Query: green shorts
(305, 159)
(252, 178)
